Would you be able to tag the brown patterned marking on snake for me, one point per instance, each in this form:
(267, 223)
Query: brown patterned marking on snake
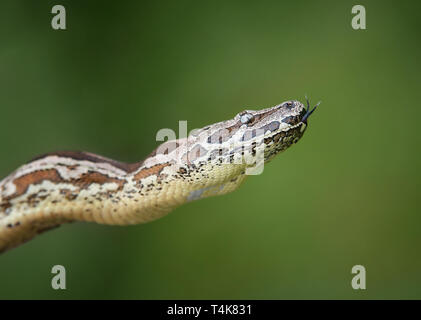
(91, 177)
(277, 136)
(250, 134)
(154, 170)
(196, 152)
(221, 136)
(22, 183)
(86, 156)
(72, 167)
(234, 127)
(68, 166)
(4, 206)
(224, 134)
(34, 199)
(217, 153)
(182, 170)
(165, 148)
(268, 140)
(68, 194)
(258, 117)
(273, 126)
(292, 120)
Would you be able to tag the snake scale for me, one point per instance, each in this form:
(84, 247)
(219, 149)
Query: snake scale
(62, 187)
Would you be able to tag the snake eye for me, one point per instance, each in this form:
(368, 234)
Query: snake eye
(289, 104)
(246, 118)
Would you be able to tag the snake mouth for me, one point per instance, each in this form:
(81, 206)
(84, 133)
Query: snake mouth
(308, 111)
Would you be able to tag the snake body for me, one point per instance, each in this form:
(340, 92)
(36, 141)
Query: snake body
(62, 187)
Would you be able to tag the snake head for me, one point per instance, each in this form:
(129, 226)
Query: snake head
(285, 116)
(274, 129)
(277, 127)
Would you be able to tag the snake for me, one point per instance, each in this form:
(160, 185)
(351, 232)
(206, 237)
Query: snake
(67, 186)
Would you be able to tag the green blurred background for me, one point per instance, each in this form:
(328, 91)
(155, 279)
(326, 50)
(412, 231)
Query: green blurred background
(346, 194)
